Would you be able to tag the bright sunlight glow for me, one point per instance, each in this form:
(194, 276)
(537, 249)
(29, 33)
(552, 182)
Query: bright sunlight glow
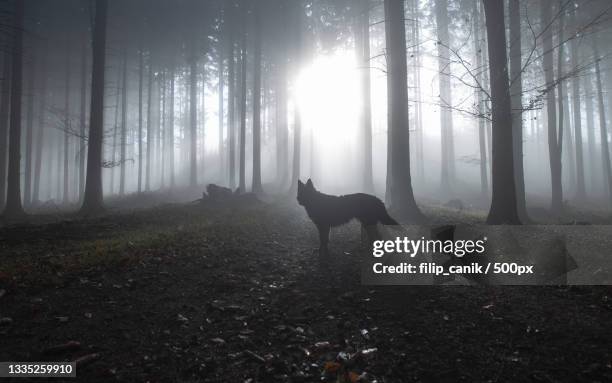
(327, 93)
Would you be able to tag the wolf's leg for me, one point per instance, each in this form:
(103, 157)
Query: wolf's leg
(323, 239)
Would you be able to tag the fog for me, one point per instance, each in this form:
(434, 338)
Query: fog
(181, 81)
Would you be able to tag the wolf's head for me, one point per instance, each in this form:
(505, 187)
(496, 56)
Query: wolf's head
(305, 192)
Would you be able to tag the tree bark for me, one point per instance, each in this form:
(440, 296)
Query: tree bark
(580, 184)
(446, 118)
(503, 203)
(553, 145)
(83, 117)
(140, 125)
(92, 201)
(193, 116)
(14, 208)
(243, 104)
(40, 133)
(516, 92)
(171, 129)
(362, 39)
(257, 188)
(149, 125)
(4, 123)
(27, 190)
(484, 174)
(231, 100)
(67, 127)
(123, 125)
(221, 112)
(399, 191)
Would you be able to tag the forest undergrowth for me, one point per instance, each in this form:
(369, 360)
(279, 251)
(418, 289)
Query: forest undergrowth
(234, 293)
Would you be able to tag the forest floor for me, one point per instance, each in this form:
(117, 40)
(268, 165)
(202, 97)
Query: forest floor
(200, 293)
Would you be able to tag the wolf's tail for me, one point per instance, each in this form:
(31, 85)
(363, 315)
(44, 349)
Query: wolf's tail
(386, 219)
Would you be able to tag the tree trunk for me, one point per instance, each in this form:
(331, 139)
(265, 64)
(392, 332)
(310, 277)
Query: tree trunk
(484, 174)
(362, 38)
(27, 190)
(516, 92)
(193, 116)
(446, 117)
(590, 126)
(257, 104)
(171, 129)
(115, 133)
(67, 128)
(83, 116)
(419, 107)
(13, 208)
(580, 184)
(164, 133)
(4, 123)
(231, 112)
(140, 125)
(553, 145)
(399, 192)
(221, 114)
(123, 125)
(605, 151)
(40, 133)
(281, 122)
(92, 201)
(503, 203)
(149, 126)
(243, 104)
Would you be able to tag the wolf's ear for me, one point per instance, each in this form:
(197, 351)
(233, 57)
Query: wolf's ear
(309, 184)
(300, 184)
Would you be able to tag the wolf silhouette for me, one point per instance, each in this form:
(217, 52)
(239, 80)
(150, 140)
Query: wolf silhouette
(327, 211)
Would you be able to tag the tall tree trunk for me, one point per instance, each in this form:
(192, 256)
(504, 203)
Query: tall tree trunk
(115, 132)
(561, 105)
(363, 39)
(257, 103)
(297, 119)
(67, 128)
(281, 122)
(553, 144)
(590, 126)
(231, 111)
(203, 122)
(13, 208)
(40, 132)
(92, 200)
(580, 184)
(516, 92)
(27, 190)
(503, 203)
(4, 123)
(193, 117)
(243, 104)
(484, 174)
(164, 134)
(171, 129)
(149, 126)
(220, 89)
(83, 117)
(123, 125)
(419, 107)
(140, 125)
(399, 191)
(605, 151)
(446, 117)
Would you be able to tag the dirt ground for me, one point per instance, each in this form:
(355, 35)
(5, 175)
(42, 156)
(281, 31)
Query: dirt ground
(201, 293)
